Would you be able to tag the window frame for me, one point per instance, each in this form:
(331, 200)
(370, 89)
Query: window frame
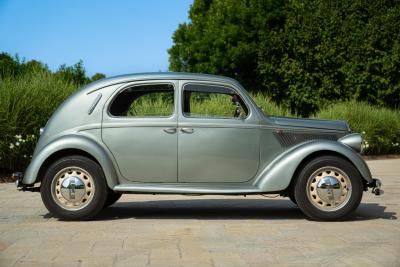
(142, 117)
(231, 88)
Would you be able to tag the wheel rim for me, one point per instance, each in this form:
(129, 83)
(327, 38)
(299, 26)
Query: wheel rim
(329, 189)
(72, 188)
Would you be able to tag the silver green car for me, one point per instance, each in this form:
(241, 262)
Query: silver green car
(181, 133)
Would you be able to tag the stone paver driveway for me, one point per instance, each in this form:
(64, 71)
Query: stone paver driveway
(147, 230)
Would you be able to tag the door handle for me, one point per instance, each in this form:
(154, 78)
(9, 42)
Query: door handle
(170, 130)
(187, 130)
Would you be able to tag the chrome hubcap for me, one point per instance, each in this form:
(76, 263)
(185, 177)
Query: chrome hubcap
(329, 188)
(72, 188)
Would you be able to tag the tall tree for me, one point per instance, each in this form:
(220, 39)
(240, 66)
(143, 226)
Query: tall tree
(75, 73)
(222, 37)
(302, 53)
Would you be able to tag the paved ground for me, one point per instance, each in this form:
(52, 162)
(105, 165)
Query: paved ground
(203, 231)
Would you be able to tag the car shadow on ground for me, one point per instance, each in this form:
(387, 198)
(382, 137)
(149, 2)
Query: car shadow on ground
(226, 209)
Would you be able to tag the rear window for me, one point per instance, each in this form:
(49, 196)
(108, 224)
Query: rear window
(156, 100)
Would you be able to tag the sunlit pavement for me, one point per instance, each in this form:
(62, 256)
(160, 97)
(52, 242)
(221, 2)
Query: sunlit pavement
(147, 230)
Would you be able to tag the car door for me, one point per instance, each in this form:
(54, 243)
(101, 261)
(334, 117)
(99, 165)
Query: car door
(139, 128)
(218, 138)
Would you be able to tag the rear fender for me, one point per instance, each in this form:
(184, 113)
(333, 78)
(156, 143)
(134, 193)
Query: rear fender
(79, 142)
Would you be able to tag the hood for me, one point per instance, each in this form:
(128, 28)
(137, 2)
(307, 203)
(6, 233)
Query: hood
(334, 125)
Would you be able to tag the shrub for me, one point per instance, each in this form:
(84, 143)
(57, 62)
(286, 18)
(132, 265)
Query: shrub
(380, 126)
(270, 107)
(26, 103)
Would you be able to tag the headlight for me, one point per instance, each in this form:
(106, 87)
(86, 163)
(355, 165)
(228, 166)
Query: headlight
(352, 140)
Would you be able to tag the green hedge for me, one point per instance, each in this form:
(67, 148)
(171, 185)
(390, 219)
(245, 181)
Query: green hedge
(380, 126)
(26, 103)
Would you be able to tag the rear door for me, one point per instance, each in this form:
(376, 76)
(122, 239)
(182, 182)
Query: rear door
(139, 127)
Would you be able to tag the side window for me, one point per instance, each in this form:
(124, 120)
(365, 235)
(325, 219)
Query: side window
(210, 101)
(156, 100)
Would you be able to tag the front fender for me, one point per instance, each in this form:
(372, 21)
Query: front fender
(72, 141)
(279, 173)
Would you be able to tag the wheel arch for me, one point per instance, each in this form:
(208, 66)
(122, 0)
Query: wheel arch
(281, 173)
(314, 155)
(71, 145)
(60, 154)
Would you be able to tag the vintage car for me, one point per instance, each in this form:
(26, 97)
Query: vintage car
(181, 133)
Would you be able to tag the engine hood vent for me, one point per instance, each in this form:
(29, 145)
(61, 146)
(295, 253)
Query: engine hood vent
(290, 138)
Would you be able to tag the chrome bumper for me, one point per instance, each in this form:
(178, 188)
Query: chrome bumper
(18, 176)
(376, 185)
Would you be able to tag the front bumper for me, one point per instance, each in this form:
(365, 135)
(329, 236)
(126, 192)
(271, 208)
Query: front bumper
(19, 176)
(376, 185)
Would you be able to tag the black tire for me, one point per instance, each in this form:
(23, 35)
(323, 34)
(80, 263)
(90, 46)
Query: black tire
(343, 210)
(94, 206)
(292, 197)
(112, 198)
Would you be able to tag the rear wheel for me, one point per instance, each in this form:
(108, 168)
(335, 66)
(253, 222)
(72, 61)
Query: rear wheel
(328, 188)
(74, 188)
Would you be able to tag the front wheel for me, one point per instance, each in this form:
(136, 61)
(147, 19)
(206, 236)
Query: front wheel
(328, 188)
(74, 188)
(112, 198)
(292, 198)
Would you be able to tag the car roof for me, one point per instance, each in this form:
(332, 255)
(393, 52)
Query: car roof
(155, 76)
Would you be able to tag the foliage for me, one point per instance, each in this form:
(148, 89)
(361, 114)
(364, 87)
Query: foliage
(216, 105)
(75, 74)
(301, 53)
(220, 39)
(29, 94)
(97, 76)
(380, 126)
(153, 104)
(14, 67)
(26, 103)
(270, 107)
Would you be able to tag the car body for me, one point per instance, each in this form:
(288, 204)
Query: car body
(157, 133)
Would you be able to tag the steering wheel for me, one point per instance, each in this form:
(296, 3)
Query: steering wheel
(238, 110)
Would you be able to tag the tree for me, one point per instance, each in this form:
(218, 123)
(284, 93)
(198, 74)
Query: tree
(75, 73)
(222, 38)
(97, 76)
(14, 67)
(9, 66)
(302, 53)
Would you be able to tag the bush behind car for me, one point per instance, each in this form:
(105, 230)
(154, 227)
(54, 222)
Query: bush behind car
(27, 101)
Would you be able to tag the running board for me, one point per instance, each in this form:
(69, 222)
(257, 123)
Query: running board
(187, 188)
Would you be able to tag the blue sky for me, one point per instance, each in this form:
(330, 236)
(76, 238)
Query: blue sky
(112, 37)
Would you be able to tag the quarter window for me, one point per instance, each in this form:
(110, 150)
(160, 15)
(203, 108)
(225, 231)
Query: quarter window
(210, 101)
(144, 101)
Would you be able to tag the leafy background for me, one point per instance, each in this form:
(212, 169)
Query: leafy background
(302, 54)
(321, 59)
